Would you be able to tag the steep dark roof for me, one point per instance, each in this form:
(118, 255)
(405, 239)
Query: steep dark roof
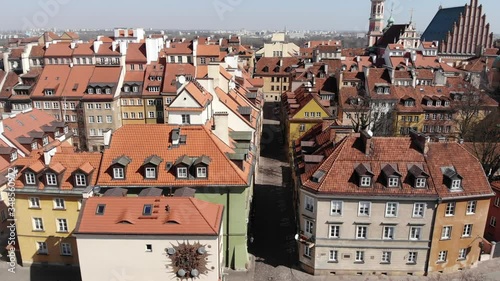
(442, 23)
(392, 35)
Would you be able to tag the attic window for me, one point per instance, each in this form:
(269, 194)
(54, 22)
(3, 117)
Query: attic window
(365, 175)
(147, 210)
(49, 92)
(452, 178)
(392, 175)
(182, 172)
(13, 156)
(318, 176)
(456, 184)
(80, 180)
(100, 209)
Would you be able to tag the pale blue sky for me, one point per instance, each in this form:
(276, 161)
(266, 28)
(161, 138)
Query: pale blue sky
(222, 14)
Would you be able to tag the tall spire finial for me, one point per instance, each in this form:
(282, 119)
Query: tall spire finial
(411, 15)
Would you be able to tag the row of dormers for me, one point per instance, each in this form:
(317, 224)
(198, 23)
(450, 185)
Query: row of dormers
(52, 175)
(184, 167)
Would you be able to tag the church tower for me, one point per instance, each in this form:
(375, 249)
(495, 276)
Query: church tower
(376, 21)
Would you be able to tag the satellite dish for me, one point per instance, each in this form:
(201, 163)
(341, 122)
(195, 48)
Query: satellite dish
(182, 79)
(97, 189)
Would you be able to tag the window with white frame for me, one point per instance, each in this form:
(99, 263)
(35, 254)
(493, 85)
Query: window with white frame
(182, 172)
(45, 141)
(59, 203)
(302, 127)
(366, 181)
(418, 210)
(150, 172)
(42, 248)
(80, 180)
(467, 232)
(66, 249)
(201, 172)
(336, 208)
(62, 225)
(391, 209)
(118, 173)
(493, 221)
(107, 106)
(309, 227)
(388, 232)
(393, 182)
(34, 145)
(361, 232)
(420, 182)
(309, 203)
(412, 257)
(450, 209)
(446, 232)
(186, 119)
(360, 256)
(37, 224)
(415, 232)
(99, 119)
(109, 119)
(30, 178)
(442, 256)
(334, 231)
(471, 207)
(34, 202)
(386, 257)
(51, 179)
(497, 201)
(364, 208)
(456, 184)
(91, 119)
(333, 256)
(462, 254)
(151, 114)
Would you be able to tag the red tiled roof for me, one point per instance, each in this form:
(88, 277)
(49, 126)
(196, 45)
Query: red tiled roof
(53, 77)
(139, 142)
(106, 49)
(67, 164)
(11, 81)
(83, 49)
(208, 51)
(106, 75)
(134, 76)
(200, 95)
(185, 216)
(16, 53)
(179, 48)
(78, 80)
(272, 63)
(173, 70)
(136, 52)
(59, 50)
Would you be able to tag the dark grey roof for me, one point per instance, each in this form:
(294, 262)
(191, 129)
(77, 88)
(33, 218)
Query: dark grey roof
(49, 129)
(364, 170)
(153, 159)
(122, 160)
(25, 140)
(184, 192)
(184, 160)
(417, 171)
(390, 170)
(36, 135)
(116, 192)
(6, 150)
(251, 95)
(203, 159)
(442, 23)
(151, 192)
(450, 173)
(58, 124)
(241, 136)
(236, 156)
(318, 176)
(244, 110)
(391, 35)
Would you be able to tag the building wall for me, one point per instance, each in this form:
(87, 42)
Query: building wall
(236, 201)
(196, 117)
(28, 238)
(347, 244)
(104, 257)
(402, 122)
(153, 105)
(457, 242)
(299, 123)
(132, 110)
(492, 232)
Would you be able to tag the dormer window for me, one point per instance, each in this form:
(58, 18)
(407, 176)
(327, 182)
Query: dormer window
(201, 172)
(90, 90)
(126, 89)
(429, 103)
(456, 184)
(66, 129)
(45, 141)
(150, 173)
(438, 103)
(118, 173)
(13, 156)
(51, 179)
(80, 180)
(34, 146)
(452, 178)
(366, 181)
(393, 182)
(30, 178)
(420, 182)
(182, 173)
(49, 92)
(135, 89)
(108, 91)
(446, 103)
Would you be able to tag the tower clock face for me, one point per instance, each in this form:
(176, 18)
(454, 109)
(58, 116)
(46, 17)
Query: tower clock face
(188, 261)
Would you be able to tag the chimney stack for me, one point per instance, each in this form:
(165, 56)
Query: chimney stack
(367, 138)
(421, 141)
(221, 126)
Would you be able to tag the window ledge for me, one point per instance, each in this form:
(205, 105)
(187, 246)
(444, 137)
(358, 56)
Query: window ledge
(307, 257)
(38, 230)
(461, 259)
(411, 263)
(62, 231)
(444, 239)
(333, 261)
(59, 209)
(34, 208)
(43, 254)
(438, 262)
(359, 262)
(385, 262)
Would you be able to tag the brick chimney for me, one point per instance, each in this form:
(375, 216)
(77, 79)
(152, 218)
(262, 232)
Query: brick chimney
(367, 138)
(421, 141)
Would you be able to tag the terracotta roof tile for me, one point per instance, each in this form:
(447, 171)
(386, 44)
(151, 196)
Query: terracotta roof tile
(78, 80)
(83, 49)
(53, 77)
(185, 216)
(173, 70)
(208, 51)
(59, 50)
(272, 64)
(11, 81)
(138, 142)
(136, 52)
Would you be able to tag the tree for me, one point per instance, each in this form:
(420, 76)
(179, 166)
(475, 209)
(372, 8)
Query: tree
(483, 141)
(469, 107)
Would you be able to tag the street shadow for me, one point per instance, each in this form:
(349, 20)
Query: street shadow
(54, 273)
(272, 143)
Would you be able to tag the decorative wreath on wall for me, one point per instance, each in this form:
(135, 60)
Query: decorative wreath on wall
(188, 261)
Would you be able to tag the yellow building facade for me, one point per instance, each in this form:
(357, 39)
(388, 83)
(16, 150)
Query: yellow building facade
(404, 122)
(310, 114)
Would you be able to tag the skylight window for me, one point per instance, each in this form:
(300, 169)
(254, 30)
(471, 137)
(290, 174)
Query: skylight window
(100, 209)
(148, 210)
